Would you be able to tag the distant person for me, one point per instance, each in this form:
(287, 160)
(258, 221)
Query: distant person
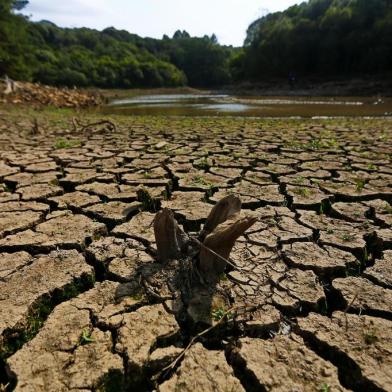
(292, 79)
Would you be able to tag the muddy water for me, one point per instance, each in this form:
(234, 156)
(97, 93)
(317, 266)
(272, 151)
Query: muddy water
(226, 105)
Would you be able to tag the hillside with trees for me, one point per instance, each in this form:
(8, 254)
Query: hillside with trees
(325, 38)
(110, 58)
(320, 38)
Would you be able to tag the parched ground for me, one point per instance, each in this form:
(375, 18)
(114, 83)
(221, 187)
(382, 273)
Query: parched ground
(318, 262)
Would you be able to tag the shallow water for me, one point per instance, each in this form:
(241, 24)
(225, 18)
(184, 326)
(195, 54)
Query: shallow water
(227, 105)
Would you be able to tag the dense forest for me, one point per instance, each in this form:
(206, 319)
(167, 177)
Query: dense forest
(326, 38)
(111, 58)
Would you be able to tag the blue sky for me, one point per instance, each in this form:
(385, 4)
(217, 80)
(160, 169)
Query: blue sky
(228, 19)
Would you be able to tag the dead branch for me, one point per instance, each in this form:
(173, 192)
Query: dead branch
(168, 236)
(4, 388)
(223, 210)
(78, 127)
(348, 308)
(227, 261)
(174, 363)
(221, 241)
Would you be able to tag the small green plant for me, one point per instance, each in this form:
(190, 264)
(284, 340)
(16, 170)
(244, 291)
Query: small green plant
(370, 337)
(202, 164)
(64, 143)
(321, 143)
(6, 188)
(54, 182)
(34, 323)
(348, 167)
(315, 144)
(223, 277)
(218, 314)
(324, 205)
(371, 166)
(325, 388)
(299, 180)
(330, 231)
(199, 180)
(96, 237)
(347, 237)
(304, 192)
(388, 209)
(86, 338)
(137, 296)
(360, 184)
(383, 136)
(366, 224)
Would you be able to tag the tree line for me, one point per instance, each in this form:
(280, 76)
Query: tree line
(326, 38)
(110, 58)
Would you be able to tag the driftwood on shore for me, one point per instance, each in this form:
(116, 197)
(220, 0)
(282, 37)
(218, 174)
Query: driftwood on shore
(36, 94)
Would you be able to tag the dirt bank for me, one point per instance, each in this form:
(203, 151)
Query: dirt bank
(38, 95)
(308, 87)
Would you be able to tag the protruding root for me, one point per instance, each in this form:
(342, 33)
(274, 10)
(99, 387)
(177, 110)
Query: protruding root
(222, 211)
(169, 237)
(218, 245)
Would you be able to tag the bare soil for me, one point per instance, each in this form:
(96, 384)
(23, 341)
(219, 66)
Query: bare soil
(315, 268)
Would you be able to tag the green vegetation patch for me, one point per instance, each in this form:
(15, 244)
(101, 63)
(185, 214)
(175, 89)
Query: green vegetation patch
(66, 143)
(16, 338)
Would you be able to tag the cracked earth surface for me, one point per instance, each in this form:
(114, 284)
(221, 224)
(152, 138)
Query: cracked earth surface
(316, 268)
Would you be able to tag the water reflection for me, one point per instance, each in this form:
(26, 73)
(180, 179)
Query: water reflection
(223, 105)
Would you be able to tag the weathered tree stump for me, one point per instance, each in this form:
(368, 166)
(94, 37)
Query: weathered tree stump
(199, 261)
(223, 227)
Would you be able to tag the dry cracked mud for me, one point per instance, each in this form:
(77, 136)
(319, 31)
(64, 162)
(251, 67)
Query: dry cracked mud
(313, 275)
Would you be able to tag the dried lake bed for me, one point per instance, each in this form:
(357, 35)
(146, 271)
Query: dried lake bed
(316, 267)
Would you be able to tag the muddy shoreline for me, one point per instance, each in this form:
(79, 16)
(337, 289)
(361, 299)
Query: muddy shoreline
(361, 87)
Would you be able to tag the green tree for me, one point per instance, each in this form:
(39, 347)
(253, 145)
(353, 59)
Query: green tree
(14, 48)
(325, 38)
